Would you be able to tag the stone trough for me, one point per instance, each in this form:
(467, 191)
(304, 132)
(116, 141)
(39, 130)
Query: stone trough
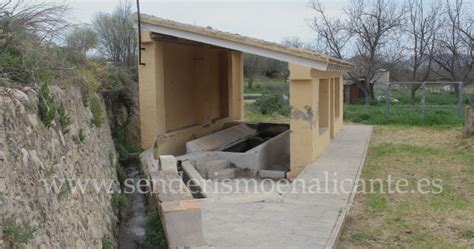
(246, 150)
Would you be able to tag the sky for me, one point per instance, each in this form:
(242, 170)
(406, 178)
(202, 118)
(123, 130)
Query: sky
(264, 19)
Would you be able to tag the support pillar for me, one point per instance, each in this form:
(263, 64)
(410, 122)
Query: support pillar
(236, 85)
(304, 111)
(151, 91)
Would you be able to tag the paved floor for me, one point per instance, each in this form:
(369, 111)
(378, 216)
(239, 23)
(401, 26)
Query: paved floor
(279, 219)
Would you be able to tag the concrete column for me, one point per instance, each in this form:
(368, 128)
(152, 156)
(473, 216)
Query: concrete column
(339, 102)
(332, 109)
(236, 83)
(151, 90)
(303, 124)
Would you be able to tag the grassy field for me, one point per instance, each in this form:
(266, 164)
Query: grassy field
(416, 220)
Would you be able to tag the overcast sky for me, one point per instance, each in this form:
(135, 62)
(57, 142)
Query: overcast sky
(264, 19)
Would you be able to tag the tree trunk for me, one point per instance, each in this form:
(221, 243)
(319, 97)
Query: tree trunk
(250, 82)
(414, 88)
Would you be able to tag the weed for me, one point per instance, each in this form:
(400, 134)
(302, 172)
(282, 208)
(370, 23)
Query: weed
(118, 202)
(18, 234)
(154, 234)
(360, 235)
(106, 243)
(80, 137)
(65, 189)
(64, 119)
(96, 109)
(50, 172)
(468, 234)
(46, 105)
(121, 176)
(377, 203)
(85, 97)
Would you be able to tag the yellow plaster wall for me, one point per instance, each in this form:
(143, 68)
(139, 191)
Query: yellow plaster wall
(315, 91)
(187, 90)
(151, 92)
(193, 85)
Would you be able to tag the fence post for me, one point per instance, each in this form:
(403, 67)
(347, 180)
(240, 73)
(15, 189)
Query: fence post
(387, 100)
(460, 99)
(423, 96)
(468, 124)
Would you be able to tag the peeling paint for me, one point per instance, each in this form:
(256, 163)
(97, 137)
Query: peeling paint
(306, 115)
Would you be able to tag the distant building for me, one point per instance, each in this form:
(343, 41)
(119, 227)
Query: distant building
(352, 92)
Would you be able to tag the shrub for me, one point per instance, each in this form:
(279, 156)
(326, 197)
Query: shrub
(18, 234)
(64, 119)
(272, 103)
(46, 105)
(96, 109)
(154, 234)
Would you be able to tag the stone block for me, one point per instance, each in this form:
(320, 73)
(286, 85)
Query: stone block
(182, 223)
(169, 164)
(272, 174)
(169, 187)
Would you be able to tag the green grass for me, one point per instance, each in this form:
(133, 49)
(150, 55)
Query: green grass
(413, 219)
(410, 116)
(266, 85)
(154, 234)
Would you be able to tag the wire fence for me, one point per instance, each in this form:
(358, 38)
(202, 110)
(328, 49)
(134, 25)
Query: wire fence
(430, 98)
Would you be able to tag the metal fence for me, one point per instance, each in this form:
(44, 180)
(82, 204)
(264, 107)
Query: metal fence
(449, 96)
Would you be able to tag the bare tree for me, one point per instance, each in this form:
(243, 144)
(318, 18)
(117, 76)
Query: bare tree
(292, 41)
(43, 19)
(117, 35)
(332, 33)
(454, 46)
(373, 24)
(421, 30)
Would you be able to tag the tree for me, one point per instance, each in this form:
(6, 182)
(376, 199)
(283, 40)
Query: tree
(421, 30)
(292, 41)
(117, 36)
(81, 39)
(454, 45)
(333, 34)
(373, 24)
(252, 66)
(368, 30)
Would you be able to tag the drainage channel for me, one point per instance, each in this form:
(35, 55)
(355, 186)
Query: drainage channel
(132, 225)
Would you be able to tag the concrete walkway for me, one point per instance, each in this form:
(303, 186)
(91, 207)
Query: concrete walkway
(293, 219)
